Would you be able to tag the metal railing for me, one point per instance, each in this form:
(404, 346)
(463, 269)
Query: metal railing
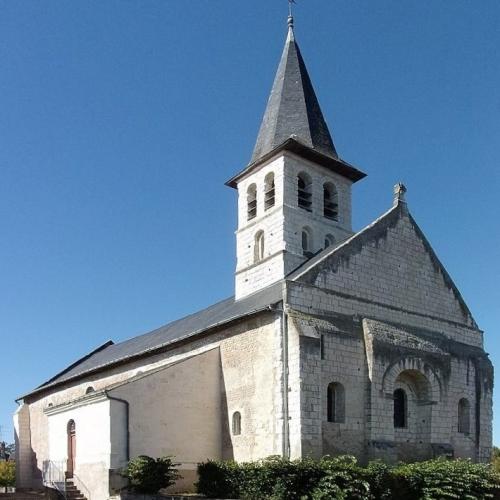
(81, 486)
(54, 475)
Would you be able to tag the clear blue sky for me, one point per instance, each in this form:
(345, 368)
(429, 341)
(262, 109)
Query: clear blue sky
(121, 120)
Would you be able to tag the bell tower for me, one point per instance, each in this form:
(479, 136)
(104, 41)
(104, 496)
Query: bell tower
(294, 198)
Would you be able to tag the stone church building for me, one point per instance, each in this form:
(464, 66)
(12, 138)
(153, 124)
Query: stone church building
(335, 342)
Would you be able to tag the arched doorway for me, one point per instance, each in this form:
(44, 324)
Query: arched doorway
(70, 467)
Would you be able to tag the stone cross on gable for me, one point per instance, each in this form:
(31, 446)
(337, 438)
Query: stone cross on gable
(399, 193)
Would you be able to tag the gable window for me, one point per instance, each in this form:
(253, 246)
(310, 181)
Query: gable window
(89, 390)
(336, 402)
(400, 408)
(330, 201)
(464, 416)
(251, 202)
(258, 254)
(329, 240)
(236, 424)
(269, 191)
(304, 192)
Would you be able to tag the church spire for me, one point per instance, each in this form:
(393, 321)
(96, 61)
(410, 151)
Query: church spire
(293, 109)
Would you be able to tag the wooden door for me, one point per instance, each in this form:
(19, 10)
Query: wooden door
(71, 449)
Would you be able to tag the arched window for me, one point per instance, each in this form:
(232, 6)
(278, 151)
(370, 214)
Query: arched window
(306, 240)
(400, 408)
(329, 240)
(89, 390)
(464, 416)
(236, 423)
(258, 249)
(330, 201)
(251, 202)
(336, 402)
(269, 191)
(304, 191)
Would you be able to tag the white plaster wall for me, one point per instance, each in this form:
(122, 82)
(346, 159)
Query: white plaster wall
(175, 411)
(93, 444)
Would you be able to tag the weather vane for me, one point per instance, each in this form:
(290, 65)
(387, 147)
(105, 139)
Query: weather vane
(290, 2)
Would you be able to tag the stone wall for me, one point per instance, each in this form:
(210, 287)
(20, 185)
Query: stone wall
(389, 274)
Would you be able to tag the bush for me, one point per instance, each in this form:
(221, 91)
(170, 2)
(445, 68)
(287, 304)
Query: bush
(149, 475)
(341, 478)
(441, 479)
(219, 479)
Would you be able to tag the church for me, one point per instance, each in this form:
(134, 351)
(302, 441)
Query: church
(335, 341)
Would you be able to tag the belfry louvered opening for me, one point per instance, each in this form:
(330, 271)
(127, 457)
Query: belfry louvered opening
(251, 202)
(330, 201)
(304, 192)
(269, 191)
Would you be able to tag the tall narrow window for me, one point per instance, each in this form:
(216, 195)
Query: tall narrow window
(464, 416)
(236, 423)
(306, 240)
(304, 192)
(251, 202)
(400, 408)
(329, 240)
(269, 191)
(330, 201)
(258, 251)
(336, 403)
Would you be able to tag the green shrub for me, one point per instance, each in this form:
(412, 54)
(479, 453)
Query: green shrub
(279, 479)
(149, 475)
(380, 478)
(219, 479)
(341, 478)
(442, 479)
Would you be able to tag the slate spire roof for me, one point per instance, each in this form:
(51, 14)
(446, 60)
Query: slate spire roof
(293, 109)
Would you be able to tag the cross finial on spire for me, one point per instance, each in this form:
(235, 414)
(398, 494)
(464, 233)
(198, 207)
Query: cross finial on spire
(290, 13)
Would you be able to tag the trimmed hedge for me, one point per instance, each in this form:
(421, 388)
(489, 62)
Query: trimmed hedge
(341, 478)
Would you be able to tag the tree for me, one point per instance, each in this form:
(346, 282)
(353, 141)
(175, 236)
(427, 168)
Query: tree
(7, 474)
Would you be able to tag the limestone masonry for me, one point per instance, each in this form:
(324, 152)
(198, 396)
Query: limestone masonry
(335, 341)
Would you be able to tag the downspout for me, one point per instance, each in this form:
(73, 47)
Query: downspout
(284, 353)
(127, 422)
(285, 447)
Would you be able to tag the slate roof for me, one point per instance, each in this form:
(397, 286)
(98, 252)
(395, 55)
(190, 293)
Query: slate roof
(219, 314)
(293, 119)
(293, 109)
